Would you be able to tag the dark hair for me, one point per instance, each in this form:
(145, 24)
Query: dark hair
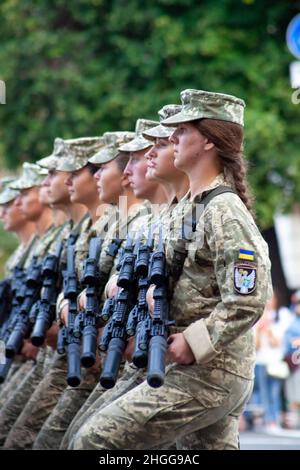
(92, 168)
(122, 160)
(228, 139)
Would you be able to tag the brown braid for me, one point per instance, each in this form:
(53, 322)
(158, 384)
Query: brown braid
(228, 140)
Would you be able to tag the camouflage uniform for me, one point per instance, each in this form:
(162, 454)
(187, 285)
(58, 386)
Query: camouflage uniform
(75, 154)
(129, 378)
(20, 396)
(131, 375)
(13, 400)
(132, 224)
(17, 401)
(53, 383)
(47, 392)
(17, 258)
(18, 371)
(72, 399)
(214, 306)
(19, 254)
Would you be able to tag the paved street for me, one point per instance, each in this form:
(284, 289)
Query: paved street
(281, 440)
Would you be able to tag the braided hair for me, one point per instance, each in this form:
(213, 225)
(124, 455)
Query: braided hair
(228, 140)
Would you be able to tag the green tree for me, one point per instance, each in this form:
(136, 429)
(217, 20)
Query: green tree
(84, 67)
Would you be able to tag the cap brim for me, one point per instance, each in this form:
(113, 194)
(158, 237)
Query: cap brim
(104, 156)
(135, 145)
(69, 166)
(19, 185)
(48, 162)
(179, 118)
(158, 132)
(8, 196)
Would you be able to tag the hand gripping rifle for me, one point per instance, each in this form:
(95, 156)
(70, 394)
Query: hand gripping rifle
(17, 296)
(86, 321)
(72, 342)
(140, 314)
(31, 295)
(157, 326)
(46, 305)
(113, 340)
(17, 290)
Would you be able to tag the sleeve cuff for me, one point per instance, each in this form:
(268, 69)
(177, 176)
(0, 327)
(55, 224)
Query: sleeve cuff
(199, 341)
(59, 305)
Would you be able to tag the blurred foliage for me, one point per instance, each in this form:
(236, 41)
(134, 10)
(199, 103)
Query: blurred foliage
(87, 66)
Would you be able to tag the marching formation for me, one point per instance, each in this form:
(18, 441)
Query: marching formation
(127, 308)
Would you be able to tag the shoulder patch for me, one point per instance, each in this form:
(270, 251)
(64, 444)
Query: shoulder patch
(244, 277)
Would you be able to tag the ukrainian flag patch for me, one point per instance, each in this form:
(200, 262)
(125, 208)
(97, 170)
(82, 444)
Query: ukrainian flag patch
(246, 255)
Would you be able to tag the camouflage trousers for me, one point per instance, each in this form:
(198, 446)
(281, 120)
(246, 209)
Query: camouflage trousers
(99, 398)
(71, 400)
(193, 398)
(16, 375)
(17, 363)
(39, 406)
(19, 396)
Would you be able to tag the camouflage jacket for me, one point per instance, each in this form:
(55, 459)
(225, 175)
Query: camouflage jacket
(224, 285)
(44, 244)
(20, 255)
(119, 230)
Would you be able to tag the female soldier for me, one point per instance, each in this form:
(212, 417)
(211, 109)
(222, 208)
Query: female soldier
(220, 294)
(161, 158)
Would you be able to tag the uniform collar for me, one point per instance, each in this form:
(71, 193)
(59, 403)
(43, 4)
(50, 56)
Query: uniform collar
(218, 181)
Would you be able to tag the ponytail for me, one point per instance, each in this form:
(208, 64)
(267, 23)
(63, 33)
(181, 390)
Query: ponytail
(228, 140)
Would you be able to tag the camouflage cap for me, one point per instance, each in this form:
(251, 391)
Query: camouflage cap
(78, 152)
(7, 194)
(160, 131)
(5, 181)
(59, 151)
(32, 175)
(199, 104)
(139, 142)
(112, 142)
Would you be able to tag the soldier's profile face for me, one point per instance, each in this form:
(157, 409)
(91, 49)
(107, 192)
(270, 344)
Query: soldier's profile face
(189, 146)
(30, 204)
(109, 182)
(82, 186)
(57, 189)
(13, 218)
(44, 195)
(135, 171)
(160, 164)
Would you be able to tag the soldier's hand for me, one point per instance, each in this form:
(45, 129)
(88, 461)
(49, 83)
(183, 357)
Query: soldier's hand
(64, 314)
(179, 350)
(111, 288)
(129, 349)
(51, 335)
(28, 350)
(149, 298)
(81, 299)
(96, 368)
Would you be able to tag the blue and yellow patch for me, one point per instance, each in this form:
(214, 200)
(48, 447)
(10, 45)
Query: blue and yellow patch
(246, 255)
